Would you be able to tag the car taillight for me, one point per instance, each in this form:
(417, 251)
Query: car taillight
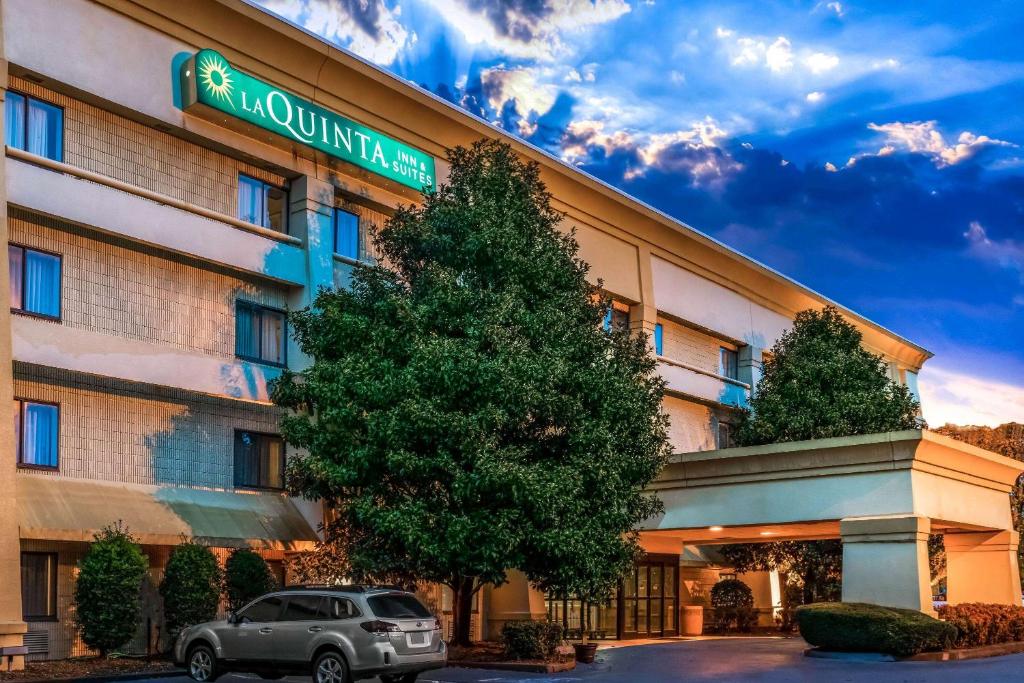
(380, 628)
(437, 624)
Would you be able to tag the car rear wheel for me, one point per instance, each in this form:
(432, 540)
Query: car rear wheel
(330, 667)
(202, 664)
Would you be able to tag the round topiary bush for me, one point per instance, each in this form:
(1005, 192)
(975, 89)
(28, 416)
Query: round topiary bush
(860, 627)
(733, 602)
(246, 577)
(108, 590)
(190, 587)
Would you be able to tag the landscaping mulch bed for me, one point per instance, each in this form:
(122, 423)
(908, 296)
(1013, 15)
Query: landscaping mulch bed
(86, 668)
(492, 656)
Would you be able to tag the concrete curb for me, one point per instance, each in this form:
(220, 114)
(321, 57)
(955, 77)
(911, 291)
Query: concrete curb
(547, 668)
(137, 676)
(959, 655)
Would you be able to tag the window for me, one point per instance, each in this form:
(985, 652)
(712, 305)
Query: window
(728, 363)
(265, 610)
(36, 427)
(659, 340)
(339, 608)
(616, 319)
(260, 333)
(303, 608)
(259, 460)
(725, 439)
(34, 126)
(35, 281)
(398, 606)
(262, 203)
(347, 240)
(39, 586)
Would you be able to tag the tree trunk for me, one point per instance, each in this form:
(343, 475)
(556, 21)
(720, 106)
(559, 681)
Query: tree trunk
(462, 610)
(810, 578)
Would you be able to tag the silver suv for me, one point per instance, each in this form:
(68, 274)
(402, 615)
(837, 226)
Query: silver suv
(337, 634)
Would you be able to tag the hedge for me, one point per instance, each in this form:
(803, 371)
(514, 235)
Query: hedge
(531, 639)
(980, 624)
(860, 627)
(190, 587)
(247, 576)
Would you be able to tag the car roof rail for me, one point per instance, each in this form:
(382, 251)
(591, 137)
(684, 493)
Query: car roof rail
(345, 587)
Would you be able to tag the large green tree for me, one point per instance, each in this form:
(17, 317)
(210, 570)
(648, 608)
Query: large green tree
(465, 412)
(1006, 439)
(819, 381)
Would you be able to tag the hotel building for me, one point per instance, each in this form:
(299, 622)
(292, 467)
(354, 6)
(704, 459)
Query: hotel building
(179, 174)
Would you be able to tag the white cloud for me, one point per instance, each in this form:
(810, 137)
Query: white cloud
(815, 97)
(526, 30)
(820, 62)
(521, 86)
(778, 55)
(1004, 253)
(830, 167)
(953, 397)
(694, 152)
(923, 137)
(366, 27)
(836, 7)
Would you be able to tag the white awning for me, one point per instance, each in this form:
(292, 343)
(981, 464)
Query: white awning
(66, 509)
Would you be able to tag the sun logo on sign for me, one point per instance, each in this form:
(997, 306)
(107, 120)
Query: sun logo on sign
(215, 75)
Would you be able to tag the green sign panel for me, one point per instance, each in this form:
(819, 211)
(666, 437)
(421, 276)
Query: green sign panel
(208, 79)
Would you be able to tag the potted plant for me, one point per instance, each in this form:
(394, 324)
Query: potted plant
(584, 649)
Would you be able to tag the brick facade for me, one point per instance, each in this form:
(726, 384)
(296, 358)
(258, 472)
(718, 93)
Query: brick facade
(119, 431)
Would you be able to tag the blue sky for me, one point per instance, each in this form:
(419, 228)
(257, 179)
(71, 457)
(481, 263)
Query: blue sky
(872, 150)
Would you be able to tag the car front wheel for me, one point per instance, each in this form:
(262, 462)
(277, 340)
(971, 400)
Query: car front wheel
(202, 663)
(330, 667)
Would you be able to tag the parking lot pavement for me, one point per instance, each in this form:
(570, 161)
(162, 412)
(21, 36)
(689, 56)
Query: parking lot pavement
(760, 660)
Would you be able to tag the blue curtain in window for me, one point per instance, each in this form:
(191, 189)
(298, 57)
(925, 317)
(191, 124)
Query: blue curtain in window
(247, 332)
(39, 446)
(346, 234)
(659, 340)
(42, 283)
(250, 200)
(15, 260)
(45, 129)
(14, 119)
(272, 338)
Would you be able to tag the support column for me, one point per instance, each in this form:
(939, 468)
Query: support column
(12, 624)
(885, 561)
(515, 600)
(749, 368)
(311, 204)
(982, 567)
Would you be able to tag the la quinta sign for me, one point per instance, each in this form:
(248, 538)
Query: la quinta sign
(208, 79)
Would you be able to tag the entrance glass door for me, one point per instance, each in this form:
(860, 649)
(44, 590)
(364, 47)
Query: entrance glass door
(650, 602)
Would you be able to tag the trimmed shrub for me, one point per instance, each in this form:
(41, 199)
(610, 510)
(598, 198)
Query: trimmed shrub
(980, 624)
(108, 590)
(246, 576)
(860, 627)
(531, 639)
(733, 603)
(190, 587)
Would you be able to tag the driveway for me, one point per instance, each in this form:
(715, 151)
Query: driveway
(766, 660)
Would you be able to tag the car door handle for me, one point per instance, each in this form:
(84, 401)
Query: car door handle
(266, 630)
(315, 629)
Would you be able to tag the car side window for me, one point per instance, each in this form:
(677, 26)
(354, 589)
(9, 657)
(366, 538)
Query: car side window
(302, 608)
(339, 608)
(266, 609)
